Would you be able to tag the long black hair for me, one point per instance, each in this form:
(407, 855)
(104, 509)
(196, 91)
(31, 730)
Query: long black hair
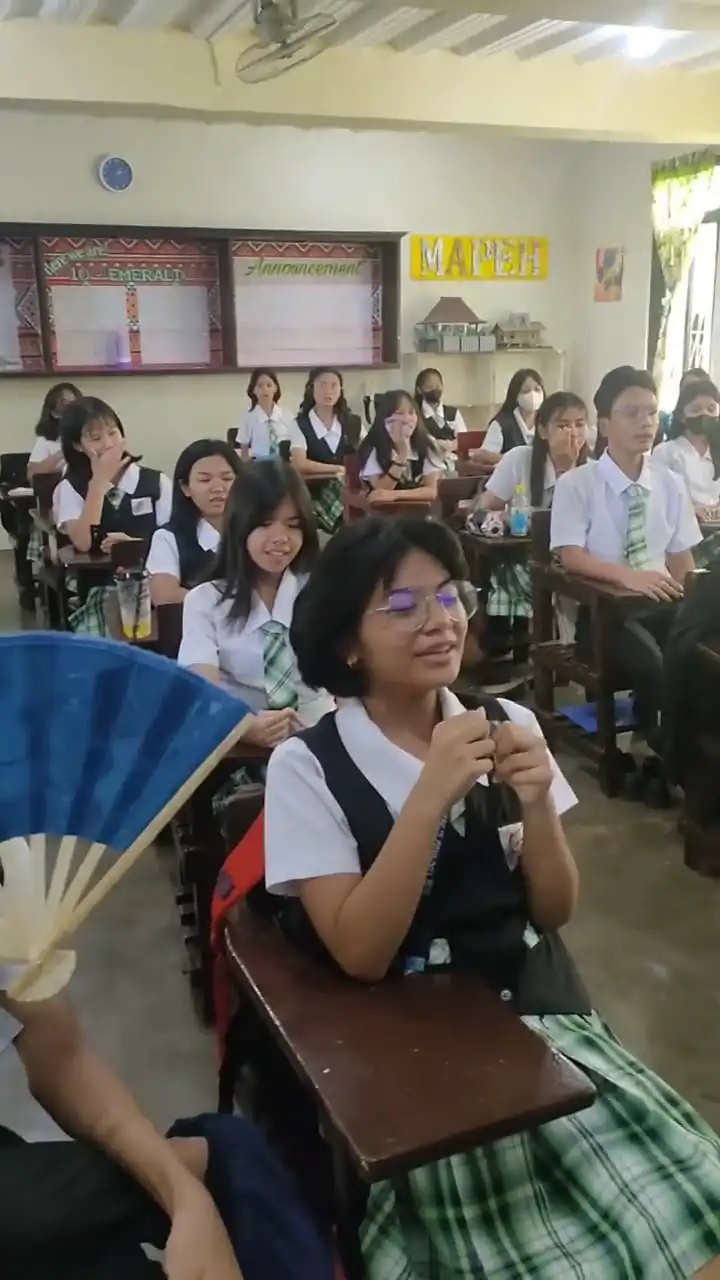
(679, 424)
(79, 415)
(257, 493)
(255, 377)
(378, 437)
(48, 424)
(185, 515)
(514, 387)
(558, 402)
(341, 408)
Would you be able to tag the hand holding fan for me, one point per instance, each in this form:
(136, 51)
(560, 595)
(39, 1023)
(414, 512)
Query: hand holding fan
(100, 745)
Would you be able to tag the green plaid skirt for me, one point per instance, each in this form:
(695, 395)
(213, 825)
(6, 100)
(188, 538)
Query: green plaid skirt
(35, 549)
(510, 591)
(327, 506)
(88, 616)
(626, 1190)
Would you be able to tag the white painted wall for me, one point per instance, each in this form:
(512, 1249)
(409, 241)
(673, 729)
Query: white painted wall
(189, 173)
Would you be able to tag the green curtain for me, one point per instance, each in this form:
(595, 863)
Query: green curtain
(682, 191)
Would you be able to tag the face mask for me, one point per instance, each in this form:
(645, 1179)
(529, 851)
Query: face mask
(705, 424)
(432, 397)
(530, 401)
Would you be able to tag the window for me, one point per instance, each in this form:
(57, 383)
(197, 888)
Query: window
(21, 347)
(132, 303)
(299, 303)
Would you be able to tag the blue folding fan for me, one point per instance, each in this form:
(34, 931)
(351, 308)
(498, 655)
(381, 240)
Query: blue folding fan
(100, 745)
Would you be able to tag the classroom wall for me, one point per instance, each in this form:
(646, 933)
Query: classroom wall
(195, 174)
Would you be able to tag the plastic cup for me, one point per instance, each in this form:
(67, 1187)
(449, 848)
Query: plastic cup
(133, 594)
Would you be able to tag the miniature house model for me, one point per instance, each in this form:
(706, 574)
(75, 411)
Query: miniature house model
(449, 328)
(519, 331)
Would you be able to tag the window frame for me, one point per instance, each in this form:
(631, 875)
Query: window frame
(385, 244)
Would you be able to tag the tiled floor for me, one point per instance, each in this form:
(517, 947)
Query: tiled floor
(646, 937)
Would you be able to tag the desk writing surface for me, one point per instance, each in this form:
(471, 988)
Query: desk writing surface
(72, 559)
(410, 1069)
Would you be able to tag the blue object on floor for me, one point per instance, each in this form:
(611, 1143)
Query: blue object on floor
(584, 715)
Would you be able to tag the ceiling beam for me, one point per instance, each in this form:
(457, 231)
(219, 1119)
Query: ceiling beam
(153, 13)
(356, 24)
(672, 15)
(556, 40)
(68, 10)
(427, 29)
(222, 19)
(495, 34)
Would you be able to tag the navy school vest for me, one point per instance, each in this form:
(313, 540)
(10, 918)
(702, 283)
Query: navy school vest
(194, 559)
(319, 450)
(446, 430)
(136, 513)
(512, 435)
(474, 898)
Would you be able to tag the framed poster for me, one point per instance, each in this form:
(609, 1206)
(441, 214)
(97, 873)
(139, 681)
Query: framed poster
(300, 303)
(119, 303)
(609, 273)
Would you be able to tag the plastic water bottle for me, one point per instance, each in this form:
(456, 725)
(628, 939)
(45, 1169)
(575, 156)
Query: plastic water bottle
(519, 513)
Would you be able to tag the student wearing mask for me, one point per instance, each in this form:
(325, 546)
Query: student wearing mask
(398, 459)
(442, 421)
(105, 489)
(331, 432)
(514, 422)
(266, 427)
(627, 521)
(47, 455)
(692, 447)
(181, 553)
(664, 418)
(236, 627)
(409, 835)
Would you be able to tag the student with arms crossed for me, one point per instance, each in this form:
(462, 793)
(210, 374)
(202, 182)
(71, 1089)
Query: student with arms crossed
(626, 521)
(83, 1209)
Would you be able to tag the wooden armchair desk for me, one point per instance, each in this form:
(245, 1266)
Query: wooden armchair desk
(558, 663)
(400, 1073)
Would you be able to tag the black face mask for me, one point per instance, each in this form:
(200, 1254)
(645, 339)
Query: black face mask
(432, 397)
(705, 424)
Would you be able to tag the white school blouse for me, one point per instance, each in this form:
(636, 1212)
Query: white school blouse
(210, 639)
(306, 833)
(697, 470)
(436, 412)
(44, 449)
(253, 433)
(164, 556)
(68, 503)
(372, 467)
(590, 510)
(493, 441)
(514, 469)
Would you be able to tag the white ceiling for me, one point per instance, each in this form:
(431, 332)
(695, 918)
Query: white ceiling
(528, 29)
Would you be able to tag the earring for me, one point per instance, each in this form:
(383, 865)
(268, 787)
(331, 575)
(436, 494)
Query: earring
(352, 662)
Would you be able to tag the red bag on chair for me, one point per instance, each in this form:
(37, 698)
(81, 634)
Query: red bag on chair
(242, 870)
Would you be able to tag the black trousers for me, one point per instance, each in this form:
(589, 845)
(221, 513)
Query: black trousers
(637, 663)
(68, 1213)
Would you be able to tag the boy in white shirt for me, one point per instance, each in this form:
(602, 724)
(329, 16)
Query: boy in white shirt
(625, 521)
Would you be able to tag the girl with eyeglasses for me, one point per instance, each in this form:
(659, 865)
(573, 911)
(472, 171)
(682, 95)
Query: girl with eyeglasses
(407, 836)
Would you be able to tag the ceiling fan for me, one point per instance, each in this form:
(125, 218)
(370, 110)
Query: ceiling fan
(285, 40)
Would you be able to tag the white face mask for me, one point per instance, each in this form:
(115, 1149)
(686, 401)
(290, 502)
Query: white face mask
(530, 401)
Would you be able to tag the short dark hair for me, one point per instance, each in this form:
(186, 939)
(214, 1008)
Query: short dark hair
(255, 377)
(257, 492)
(184, 515)
(329, 609)
(624, 378)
